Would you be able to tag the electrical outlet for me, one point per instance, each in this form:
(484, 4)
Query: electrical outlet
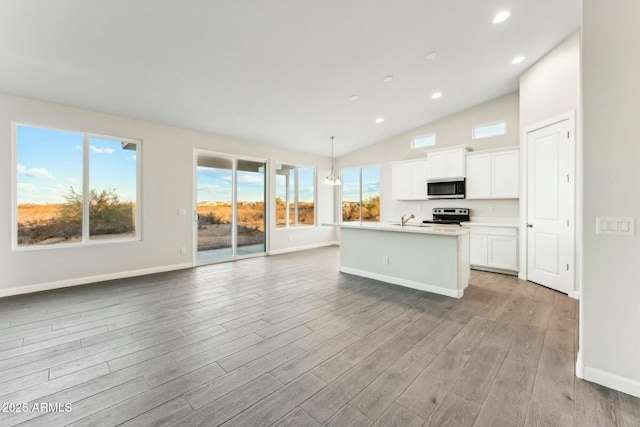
(290, 237)
(183, 250)
(492, 209)
(419, 208)
(385, 259)
(182, 212)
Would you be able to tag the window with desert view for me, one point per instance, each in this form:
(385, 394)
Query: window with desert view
(361, 194)
(295, 196)
(56, 183)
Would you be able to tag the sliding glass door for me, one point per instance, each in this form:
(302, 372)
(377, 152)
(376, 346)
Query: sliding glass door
(230, 206)
(250, 207)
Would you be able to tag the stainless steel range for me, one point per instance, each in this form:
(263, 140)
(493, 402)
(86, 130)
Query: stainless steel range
(448, 216)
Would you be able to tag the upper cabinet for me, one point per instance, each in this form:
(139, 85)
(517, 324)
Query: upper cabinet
(447, 163)
(493, 175)
(409, 180)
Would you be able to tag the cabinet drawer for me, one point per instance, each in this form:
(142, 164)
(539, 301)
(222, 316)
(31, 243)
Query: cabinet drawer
(495, 231)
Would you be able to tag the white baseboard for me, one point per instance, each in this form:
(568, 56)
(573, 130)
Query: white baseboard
(90, 279)
(495, 270)
(403, 282)
(302, 248)
(607, 379)
(579, 366)
(572, 294)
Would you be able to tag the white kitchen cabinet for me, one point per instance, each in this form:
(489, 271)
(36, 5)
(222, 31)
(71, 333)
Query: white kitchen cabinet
(447, 163)
(478, 253)
(493, 175)
(505, 174)
(494, 248)
(478, 185)
(409, 180)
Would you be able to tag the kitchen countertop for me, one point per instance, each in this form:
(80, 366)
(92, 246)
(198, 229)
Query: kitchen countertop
(417, 228)
(493, 222)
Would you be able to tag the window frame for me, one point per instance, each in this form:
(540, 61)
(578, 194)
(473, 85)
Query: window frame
(360, 168)
(296, 197)
(86, 194)
(425, 135)
(486, 125)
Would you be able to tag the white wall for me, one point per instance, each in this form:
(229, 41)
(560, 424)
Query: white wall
(549, 88)
(552, 85)
(451, 130)
(167, 185)
(610, 314)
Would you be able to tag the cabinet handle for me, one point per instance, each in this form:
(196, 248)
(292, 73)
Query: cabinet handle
(529, 225)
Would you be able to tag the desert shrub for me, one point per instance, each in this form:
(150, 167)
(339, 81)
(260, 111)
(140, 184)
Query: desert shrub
(305, 213)
(36, 231)
(107, 215)
(370, 210)
(350, 211)
(208, 218)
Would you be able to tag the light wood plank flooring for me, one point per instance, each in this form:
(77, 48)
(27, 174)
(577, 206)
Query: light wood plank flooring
(287, 340)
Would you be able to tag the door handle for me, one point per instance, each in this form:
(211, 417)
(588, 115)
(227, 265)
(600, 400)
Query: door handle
(529, 225)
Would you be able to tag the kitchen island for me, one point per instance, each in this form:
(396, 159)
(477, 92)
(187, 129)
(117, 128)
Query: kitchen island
(430, 258)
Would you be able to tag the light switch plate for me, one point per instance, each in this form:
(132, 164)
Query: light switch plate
(618, 225)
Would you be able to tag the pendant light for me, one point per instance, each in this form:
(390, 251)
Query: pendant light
(332, 179)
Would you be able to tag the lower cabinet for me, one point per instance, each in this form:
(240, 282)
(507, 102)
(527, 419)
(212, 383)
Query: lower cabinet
(494, 248)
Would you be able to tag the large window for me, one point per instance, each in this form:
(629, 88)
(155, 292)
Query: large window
(361, 194)
(295, 196)
(73, 187)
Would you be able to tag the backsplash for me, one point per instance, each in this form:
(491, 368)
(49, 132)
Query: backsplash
(497, 208)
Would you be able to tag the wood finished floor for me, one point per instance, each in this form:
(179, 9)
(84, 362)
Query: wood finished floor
(288, 341)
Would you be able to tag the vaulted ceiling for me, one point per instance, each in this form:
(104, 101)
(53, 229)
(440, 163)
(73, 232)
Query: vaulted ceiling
(279, 72)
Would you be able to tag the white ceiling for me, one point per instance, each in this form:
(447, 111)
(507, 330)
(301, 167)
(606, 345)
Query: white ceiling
(280, 71)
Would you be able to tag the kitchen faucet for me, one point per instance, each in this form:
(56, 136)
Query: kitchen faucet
(403, 221)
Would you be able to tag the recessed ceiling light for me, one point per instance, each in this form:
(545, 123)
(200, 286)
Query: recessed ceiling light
(501, 16)
(353, 97)
(518, 59)
(430, 56)
(388, 79)
(436, 95)
(379, 120)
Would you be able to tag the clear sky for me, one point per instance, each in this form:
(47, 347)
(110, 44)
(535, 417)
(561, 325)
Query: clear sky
(50, 161)
(306, 183)
(351, 183)
(214, 184)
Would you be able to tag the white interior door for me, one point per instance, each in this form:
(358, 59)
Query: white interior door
(550, 206)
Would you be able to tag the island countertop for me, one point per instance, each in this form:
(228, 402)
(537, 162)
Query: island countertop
(446, 230)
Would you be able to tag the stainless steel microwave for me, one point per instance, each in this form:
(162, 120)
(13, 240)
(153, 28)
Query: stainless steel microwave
(447, 188)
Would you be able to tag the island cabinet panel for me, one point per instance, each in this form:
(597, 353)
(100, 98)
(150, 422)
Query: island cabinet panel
(416, 257)
(409, 180)
(493, 175)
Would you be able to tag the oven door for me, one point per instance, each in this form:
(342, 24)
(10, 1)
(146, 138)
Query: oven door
(446, 189)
